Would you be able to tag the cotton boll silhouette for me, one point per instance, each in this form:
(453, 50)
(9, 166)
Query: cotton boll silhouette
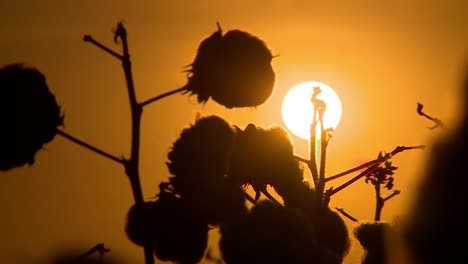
(198, 161)
(29, 115)
(372, 236)
(271, 233)
(331, 231)
(234, 70)
(170, 227)
(201, 78)
(217, 201)
(198, 156)
(262, 157)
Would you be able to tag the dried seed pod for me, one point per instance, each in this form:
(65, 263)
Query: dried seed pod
(29, 115)
(234, 70)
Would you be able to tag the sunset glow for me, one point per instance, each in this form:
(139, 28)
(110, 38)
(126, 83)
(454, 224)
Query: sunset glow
(297, 108)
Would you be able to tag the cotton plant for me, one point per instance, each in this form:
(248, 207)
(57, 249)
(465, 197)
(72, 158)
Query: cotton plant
(212, 165)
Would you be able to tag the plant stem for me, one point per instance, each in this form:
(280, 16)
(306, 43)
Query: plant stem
(312, 164)
(379, 202)
(374, 165)
(132, 165)
(88, 146)
(323, 157)
(161, 96)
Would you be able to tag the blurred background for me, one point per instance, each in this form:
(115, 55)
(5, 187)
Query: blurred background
(381, 58)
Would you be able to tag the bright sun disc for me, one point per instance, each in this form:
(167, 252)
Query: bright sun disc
(297, 108)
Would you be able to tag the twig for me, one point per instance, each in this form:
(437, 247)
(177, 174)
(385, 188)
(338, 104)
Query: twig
(360, 167)
(375, 165)
(161, 96)
(437, 122)
(395, 193)
(301, 159)
(269, 196)
(249, 198)
(98, 248)
(342, 211)
(88, 146)
(88, 38)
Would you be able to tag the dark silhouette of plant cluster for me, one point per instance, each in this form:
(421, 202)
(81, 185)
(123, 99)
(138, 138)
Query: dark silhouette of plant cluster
(29, 115)
(372, 237)
(213, 163)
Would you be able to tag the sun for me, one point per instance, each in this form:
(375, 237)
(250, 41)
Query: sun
(297, 108)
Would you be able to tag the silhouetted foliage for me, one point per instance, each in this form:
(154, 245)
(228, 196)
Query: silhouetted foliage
(372, 236)
(234, 70)
(29, 115)
(170, 227)
(382, 175)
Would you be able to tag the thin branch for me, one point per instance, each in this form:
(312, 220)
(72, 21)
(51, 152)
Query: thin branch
(88, 146)
(249, 198)
(301, 159)
(397, 150)
(88, 38)
(132, 165)
(395, 193)
(363, 166)
(437, 122)
(269, 196)
(342, 211)
(360, 167)
(98, 248)
(161, 96)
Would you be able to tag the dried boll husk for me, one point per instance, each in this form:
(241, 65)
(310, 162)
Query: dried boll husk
(234, 70)
(29, 115)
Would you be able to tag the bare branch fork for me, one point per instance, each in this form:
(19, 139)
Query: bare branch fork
(131, 165)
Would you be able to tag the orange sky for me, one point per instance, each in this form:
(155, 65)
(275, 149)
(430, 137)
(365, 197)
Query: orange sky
(381, 58)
